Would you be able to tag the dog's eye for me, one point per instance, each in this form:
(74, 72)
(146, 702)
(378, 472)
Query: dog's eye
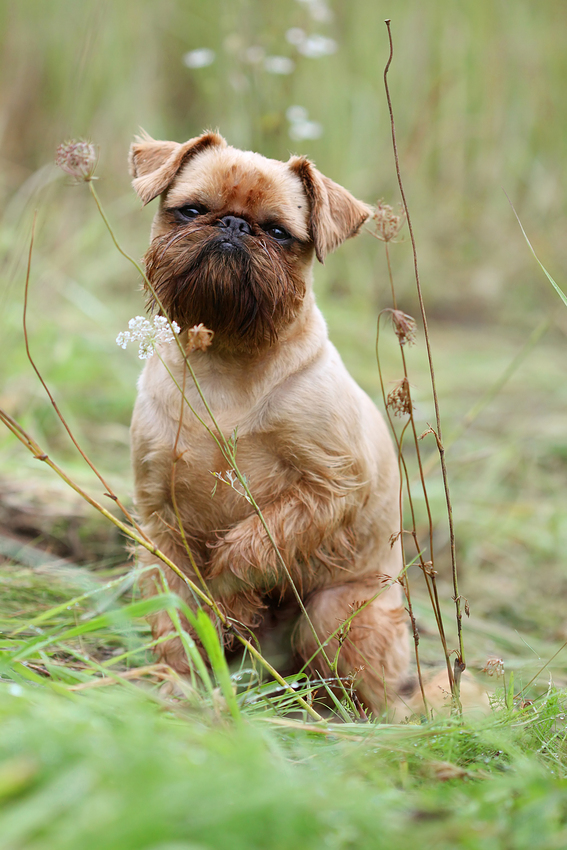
(189, 211)
(279, 233)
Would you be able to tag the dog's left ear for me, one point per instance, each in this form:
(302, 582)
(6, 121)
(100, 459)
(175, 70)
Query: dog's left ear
(335, 215)
(153, 164)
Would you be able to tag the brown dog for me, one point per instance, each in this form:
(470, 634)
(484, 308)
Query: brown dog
(232, 246)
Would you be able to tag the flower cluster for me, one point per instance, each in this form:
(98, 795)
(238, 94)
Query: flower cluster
(313, 46)
(388, 223)
(319, 10)
(301, 127)
(148, 335)
(78, 159)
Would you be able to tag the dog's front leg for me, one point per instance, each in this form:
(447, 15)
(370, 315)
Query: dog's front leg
(304, 524)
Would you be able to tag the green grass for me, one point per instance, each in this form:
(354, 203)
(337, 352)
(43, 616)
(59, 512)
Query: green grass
(478, 91)
(129, 766)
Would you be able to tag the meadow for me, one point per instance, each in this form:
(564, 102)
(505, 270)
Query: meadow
(98, 745)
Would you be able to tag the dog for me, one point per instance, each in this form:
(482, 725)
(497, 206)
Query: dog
(233, 245)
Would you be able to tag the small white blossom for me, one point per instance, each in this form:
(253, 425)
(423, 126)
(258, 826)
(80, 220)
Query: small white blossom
(318, 9)
(278, 65)
(199, 58)
(147, 335)
(316, 46)
(255, 54)
(301, 130)
(301, 127)
(295, 36)
(296, 113)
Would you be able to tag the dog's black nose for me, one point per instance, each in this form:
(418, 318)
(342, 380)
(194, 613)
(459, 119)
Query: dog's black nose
(235, 224)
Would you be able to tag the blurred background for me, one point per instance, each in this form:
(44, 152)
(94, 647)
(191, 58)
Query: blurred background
(479, 90)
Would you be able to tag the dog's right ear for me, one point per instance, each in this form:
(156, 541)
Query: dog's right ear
(154, 164)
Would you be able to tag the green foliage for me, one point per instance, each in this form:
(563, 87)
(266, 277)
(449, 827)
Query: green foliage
(134, 765)
(115, 770)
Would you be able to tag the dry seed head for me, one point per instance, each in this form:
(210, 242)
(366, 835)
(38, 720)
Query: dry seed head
(388, 224)
(199, 338)
(404, 327)
(78, 159)
(351, 678)
(427, 568)
(494, 667)
(358, 605)
(394, 538)
(399, 399)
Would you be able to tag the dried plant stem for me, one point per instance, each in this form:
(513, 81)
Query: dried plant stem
(109, 491)
(175, 459)
(460, 664)
(428, 572)
(39, 454)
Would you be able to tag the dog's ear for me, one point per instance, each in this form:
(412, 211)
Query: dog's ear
(154, 164)
(334, 214)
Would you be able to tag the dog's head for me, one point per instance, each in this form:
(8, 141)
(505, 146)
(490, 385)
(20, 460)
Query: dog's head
(235, 234)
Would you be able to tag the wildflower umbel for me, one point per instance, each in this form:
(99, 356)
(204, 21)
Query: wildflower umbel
(198, 338)
(78, 159)
(388, 223)
(148, 335)
(399, 399)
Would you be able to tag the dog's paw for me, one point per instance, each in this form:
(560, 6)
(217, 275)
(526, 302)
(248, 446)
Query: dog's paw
(245, 551)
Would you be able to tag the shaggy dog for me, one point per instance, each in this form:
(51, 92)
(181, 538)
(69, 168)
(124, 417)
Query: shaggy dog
(232, 247)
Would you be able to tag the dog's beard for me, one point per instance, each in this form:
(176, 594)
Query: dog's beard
(244, 288)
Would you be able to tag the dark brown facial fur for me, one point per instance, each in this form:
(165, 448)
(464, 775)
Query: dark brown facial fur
(237, 279)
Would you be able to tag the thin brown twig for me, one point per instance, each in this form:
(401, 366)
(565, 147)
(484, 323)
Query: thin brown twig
(109, 491)
(460, 664)
(402, 466)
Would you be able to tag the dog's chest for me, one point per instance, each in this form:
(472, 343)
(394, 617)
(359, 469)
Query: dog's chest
(209, 489)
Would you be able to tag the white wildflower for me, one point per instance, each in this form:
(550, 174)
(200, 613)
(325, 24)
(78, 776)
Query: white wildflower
(278, 65)
(255, 54)
(301, 130)
(199, 58)
(147, 335)
(318, 9)
(296, 113)
(316, 46)
(295, 36)
(301, 127)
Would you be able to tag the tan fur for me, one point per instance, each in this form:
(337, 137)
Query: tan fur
(314, 447)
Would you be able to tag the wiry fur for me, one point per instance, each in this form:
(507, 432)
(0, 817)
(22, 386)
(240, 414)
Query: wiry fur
(250, 293)
(315, 449)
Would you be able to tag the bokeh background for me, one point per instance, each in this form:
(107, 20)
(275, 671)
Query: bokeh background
(480, 96)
